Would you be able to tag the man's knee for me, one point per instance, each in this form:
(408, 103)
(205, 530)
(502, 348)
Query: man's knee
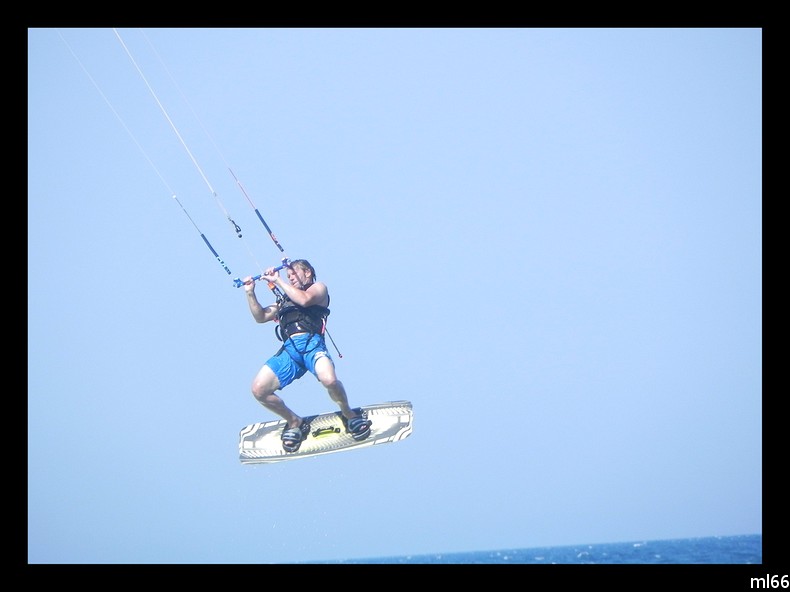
(325, 370)
(263, 387)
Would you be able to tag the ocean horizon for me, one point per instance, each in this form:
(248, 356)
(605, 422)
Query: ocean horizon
(719, 550)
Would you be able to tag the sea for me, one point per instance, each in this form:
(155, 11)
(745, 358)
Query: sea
(730, 550)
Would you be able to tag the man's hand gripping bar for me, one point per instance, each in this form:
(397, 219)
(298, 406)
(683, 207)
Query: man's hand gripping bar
(238, 283)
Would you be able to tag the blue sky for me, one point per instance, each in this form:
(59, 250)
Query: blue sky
(549, 240)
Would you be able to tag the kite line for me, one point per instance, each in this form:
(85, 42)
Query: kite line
(145, 154)
(237, 282)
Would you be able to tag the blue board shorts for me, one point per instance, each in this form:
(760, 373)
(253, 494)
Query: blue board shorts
(298, 354)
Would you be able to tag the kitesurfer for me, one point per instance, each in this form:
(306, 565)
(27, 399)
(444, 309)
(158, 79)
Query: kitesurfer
(300, 313)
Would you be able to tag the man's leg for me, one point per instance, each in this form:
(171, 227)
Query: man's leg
(263, 386)
(325, 372)
(358, 426)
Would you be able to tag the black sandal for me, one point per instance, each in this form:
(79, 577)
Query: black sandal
(292, 437)
(358, 427)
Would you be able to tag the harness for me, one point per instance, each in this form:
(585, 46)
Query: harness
(292, 319)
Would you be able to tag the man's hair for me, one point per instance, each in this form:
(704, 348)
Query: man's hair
(305, 265)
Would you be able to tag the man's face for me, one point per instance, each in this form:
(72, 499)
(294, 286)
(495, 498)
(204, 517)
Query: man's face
(297, 276)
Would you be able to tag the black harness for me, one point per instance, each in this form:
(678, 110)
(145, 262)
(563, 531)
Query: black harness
(293, 319)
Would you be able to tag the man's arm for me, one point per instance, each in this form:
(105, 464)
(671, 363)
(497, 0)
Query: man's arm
(259, 313)
(316, 293)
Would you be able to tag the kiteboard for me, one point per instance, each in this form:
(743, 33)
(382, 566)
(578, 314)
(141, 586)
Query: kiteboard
(261, 443)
